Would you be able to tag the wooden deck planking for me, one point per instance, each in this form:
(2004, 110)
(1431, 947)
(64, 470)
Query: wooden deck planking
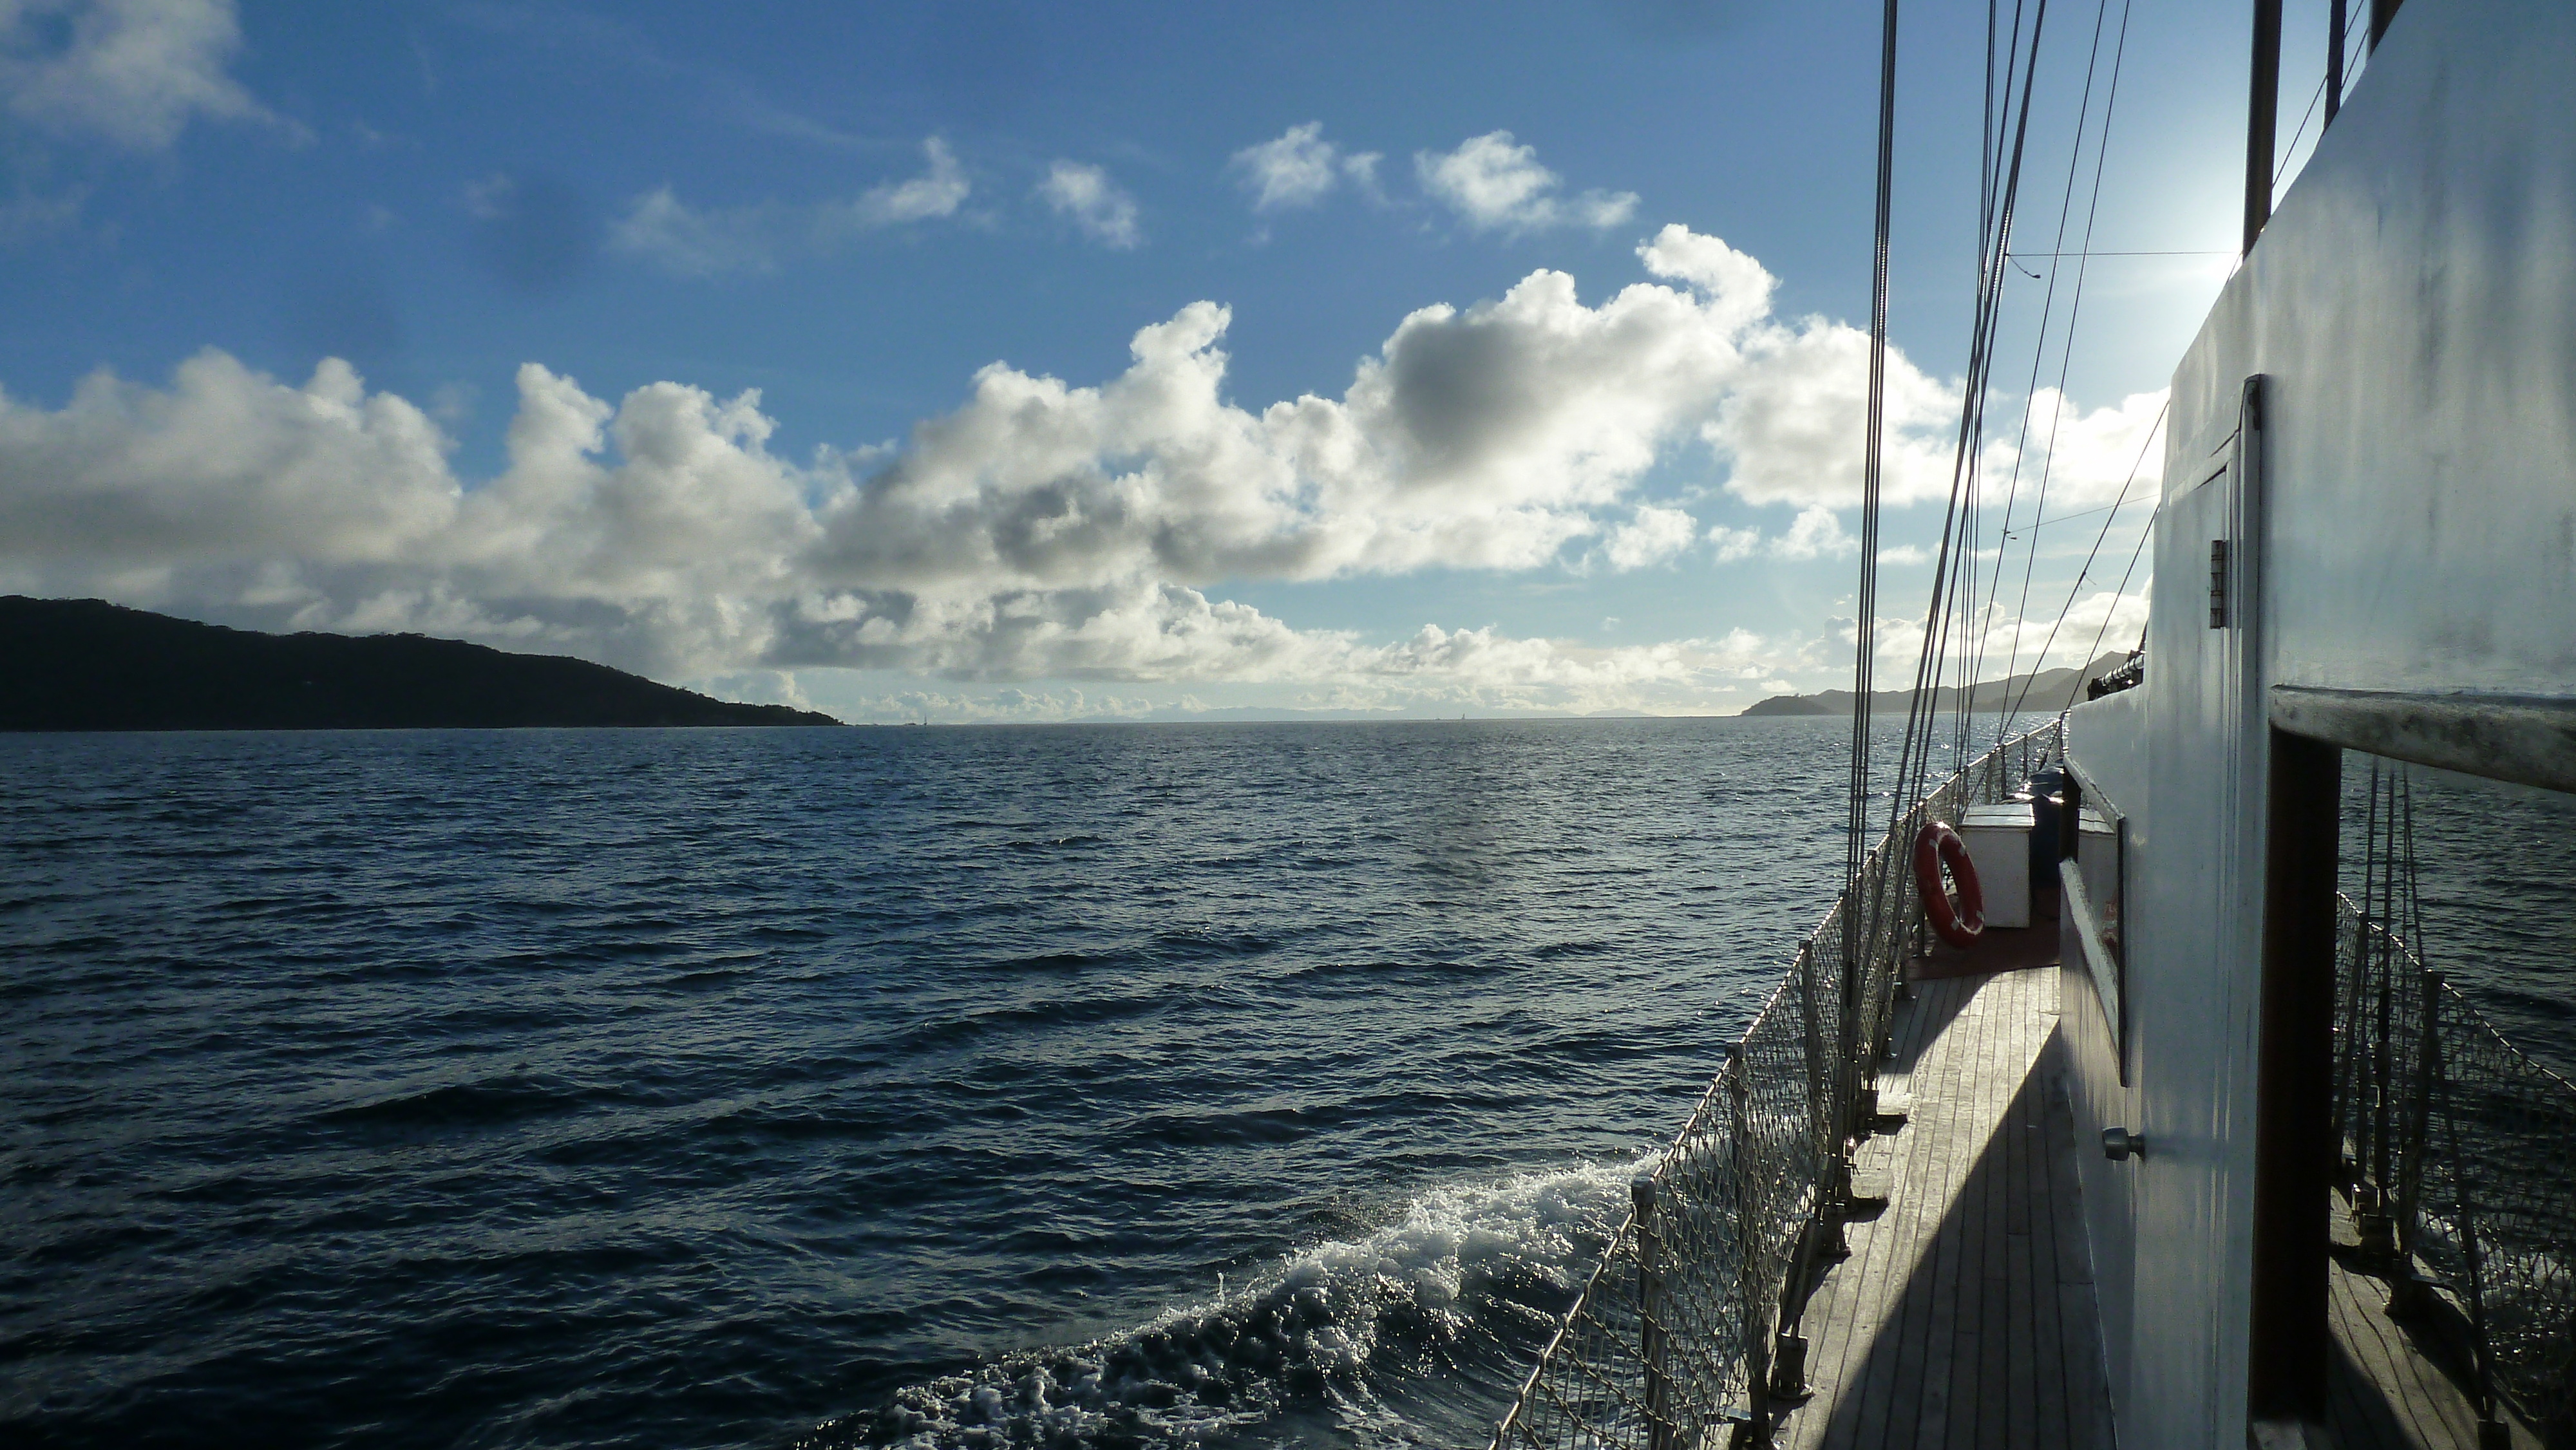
(1956, 1323)
(1964, 1318)
(2384, 1391)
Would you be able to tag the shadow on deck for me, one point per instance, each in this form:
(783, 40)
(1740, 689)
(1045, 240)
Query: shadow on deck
(1964, 1317)
(1965, 1314)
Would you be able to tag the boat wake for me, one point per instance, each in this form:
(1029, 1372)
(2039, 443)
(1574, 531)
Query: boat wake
(1415, 1333)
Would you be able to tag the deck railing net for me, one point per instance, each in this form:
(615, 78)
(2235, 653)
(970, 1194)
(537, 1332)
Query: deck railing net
(2456, 1163)
(1669, 1345)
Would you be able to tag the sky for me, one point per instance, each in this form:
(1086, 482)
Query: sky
(997, 362)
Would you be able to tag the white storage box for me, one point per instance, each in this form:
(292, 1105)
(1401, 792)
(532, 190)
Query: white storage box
(1998, 840)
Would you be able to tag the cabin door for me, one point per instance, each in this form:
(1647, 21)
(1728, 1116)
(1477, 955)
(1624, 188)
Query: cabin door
(2194, 916)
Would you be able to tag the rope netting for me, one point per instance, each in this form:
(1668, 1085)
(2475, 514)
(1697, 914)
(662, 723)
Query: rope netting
(2456, 1163)
(1669, 1345)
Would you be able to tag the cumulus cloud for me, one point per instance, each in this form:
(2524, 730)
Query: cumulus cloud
(1814, 534)
(1299, 168)
(2088, 457)
(1084, 194)
(1734, 545)
(2007, 642)
(1038, 530)
(702, 242)
(1495, 184)
(1655, 535)
(1788, 431)
(130, 72)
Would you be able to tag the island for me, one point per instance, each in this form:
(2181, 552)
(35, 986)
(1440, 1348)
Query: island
(2045, 692)
(86, 664)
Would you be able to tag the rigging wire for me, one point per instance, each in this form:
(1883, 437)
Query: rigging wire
(2283, 168)
(1999, 187)
(2078, 514)
(2076, 588)
(2122, 587)
(1991, 192)
(1950, 583)
(1975, 655)
(1873, 460)
(2066, 356)
(1994, 241)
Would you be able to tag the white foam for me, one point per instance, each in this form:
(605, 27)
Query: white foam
(1470, 1271)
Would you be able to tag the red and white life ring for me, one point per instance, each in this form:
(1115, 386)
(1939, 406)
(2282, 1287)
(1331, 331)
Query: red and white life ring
(1936, 848)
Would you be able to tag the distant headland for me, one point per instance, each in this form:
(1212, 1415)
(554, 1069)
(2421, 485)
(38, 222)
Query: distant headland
(2045, 692)
(86, 664)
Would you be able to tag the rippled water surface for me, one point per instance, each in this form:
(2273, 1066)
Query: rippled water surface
(1236, 1084)
(721, 1088)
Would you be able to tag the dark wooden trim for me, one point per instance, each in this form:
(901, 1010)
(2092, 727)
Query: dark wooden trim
(2337, 42)
(2294, 1084)
(2524, 739)
(2262, 118)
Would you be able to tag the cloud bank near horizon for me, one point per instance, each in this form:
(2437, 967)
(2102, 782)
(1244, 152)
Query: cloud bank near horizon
(1040, 530)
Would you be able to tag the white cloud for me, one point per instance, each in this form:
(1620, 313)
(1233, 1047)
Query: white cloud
(1714, 268)
(1299, 168)
(937, 192)
(131, 72)
(1496, 185)
(702, 242)
(1655, 535)
(1295, 169)
(1099, 206)
(224, 466)
(661, 228)
(1815, 533)
(1039, 530)
(2009, 643)
(1791, 430)
(30, 215)
(2088, 457)
(1735, 545)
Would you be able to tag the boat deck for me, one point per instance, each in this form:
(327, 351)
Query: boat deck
(1964, 1316)
(2395, 1384)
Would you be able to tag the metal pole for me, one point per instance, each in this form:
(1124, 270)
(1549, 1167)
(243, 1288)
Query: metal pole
(2335, 46)
(2381, 12)
(1750, 1289)
(1825, 1230)
(1651, 1338)
(2263, 117)
(2490, 1428)
(2410, 1151)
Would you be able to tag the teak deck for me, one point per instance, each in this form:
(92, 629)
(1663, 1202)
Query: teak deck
(1964, 1318)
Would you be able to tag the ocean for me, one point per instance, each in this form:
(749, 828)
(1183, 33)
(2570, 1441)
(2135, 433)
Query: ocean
(1084, 1086)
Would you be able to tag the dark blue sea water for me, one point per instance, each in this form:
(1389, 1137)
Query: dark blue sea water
(1236, 1085)
(713, 1087)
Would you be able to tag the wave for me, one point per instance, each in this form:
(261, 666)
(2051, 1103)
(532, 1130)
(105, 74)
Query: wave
(1464, 1285)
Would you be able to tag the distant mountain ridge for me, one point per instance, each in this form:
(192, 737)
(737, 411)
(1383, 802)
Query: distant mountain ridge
(2047, 691)
(86, 664)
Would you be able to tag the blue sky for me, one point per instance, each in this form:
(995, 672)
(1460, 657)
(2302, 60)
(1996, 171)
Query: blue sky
(947, 361)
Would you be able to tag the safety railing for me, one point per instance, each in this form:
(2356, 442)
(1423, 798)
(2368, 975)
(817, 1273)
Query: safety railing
(2456, 1164)
(1671, 1344)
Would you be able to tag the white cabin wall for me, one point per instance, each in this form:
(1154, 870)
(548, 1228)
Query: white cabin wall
(2191, 989)
(2409, 523)
(2107, 740)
